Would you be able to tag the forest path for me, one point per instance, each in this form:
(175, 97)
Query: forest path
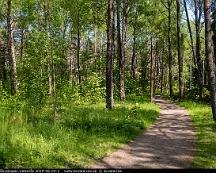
(169, 143)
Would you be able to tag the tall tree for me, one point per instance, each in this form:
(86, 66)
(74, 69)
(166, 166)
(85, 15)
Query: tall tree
(168, 6)
(47, 30)
(151, 71)
(133, 59)
(169, 48)
(198, 14)
(11, 50)
(180, 58)
(122, 57)
(3, 76)
(78, 47)
(209, 56)
(190, 32)
(109, 57)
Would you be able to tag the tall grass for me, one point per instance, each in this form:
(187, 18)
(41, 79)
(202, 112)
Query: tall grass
(206, 133)
(79, 134)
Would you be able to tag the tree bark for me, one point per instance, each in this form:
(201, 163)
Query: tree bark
(209, 56)
(198, 46)
(169, 49)
(180, 58)
(101, 56)
(50, 76)
(22, 44)
(151, 73)
(155, 70)
(46, 27)
(78, 49)
(162, 73)
(133, 59)
(109, 58)
(190, 32)
(11, 51)
(3, 73)
(122, 57)
(95, 40)
(190, 74)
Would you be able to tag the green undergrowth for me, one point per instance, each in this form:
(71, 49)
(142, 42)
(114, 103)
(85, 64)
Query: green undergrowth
(77, 136)
(206, 133)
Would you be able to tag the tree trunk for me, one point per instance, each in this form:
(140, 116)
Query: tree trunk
(101, 56)
(180, 58)
(46, 27)
(22, 44)
(54, 86)
(50, 77)
(190, 32)
(11, 51)
(3, 73)
(190, 74)
(95, 42)
(144, 65)
(198, 47)
(155, 70)
(151, 73)
(122, 57)
(169, 50)
(162, 74)
(115, 45)
(78, 48)
(133, 60)
(71, 59)
(209, 56)
(109, 58)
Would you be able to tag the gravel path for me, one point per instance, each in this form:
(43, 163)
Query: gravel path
(169, 143)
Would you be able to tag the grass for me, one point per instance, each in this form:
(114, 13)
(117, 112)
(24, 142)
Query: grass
(81, 134)
(206, 133)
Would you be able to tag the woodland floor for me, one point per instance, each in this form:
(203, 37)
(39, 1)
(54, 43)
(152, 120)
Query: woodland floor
(169, 143)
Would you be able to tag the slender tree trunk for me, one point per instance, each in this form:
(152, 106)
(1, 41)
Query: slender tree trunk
(53, 82)
(11, 51)
(54, 90)
(22, 44)
(50, 77)
(115, 44)
(180, 58)
(151, 73)
(209, 56)
(78, 49)
(109, 58)
(101, 55)
(190, 74)
(170, 50)
(133, 60)
(162, 73)
(198, 47)
(3, 74)
(155, 70)
(190, 32)
(144, 71)
(70, 70)
(46, 27)
(95, 41)
(122, 57)
(206, 73)
(119, 40)
(193, 58)
(95, 30)
(71, 59)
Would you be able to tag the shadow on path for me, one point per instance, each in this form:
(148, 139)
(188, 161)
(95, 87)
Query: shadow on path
(169, 143)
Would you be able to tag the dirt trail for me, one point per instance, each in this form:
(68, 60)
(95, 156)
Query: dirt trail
(169, 143)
